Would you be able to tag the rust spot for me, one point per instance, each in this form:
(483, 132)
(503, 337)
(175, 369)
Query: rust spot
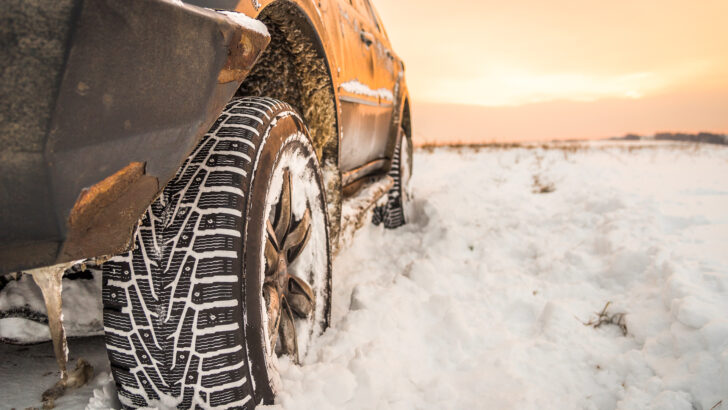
(82, 88)
(105, 214)
(108, 100)
(101, 194)
(243, 51)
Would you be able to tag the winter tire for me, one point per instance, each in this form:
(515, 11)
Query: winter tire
(231, 266)
(396, 211)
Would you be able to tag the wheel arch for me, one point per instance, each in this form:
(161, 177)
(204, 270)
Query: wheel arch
(401, 118)
(297, 68)
(406, 118)
(406, 124)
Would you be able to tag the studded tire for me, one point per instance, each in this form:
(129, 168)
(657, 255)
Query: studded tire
(395, 212)
(182, 310)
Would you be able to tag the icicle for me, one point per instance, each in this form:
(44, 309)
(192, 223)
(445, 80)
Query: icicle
(49, 280)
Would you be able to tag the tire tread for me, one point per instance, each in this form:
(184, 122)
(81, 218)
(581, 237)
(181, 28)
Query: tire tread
(170, 304)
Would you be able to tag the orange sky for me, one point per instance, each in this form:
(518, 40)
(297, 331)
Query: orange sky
(627, 56)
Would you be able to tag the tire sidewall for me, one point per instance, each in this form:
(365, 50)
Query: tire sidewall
(405, 169)
(276, 138)
(405, 177)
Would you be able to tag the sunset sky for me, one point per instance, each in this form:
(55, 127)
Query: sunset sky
(655, 65)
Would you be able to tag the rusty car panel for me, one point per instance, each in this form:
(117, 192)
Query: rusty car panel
(131, 90)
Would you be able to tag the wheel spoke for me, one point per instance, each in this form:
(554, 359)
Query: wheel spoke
(288, 332)
(271, 251)
(286, 238)
(293, 253)
(283, 214)
(272, 235)
(300, 296)
(297, 239)
(273, 304)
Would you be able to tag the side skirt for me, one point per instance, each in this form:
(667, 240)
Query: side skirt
(354, 209)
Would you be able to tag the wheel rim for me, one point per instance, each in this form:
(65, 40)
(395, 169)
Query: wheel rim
(295, 260)
(405, 177)
(286, 295)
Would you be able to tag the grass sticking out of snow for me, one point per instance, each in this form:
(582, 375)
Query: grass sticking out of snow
(606, 318)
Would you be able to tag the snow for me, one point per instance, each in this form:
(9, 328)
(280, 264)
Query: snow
(353, 209)
(246, 22)
(81, 309)
(355, 87)
(238, 18)
(481, 301)
(27, 371)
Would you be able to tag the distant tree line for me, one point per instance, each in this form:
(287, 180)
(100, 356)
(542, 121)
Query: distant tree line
(704, 137)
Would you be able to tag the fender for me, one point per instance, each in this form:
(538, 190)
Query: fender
(402, 116)
(324, 41)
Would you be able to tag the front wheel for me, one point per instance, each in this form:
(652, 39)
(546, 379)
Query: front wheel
(231, 268)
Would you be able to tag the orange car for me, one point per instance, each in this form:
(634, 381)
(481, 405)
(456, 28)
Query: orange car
(210, 157)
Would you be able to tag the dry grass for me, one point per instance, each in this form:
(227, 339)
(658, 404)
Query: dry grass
(431, 146)
(542, 187)
(605, 318)
(567, 147)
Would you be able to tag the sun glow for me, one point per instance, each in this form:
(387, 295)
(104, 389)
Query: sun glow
(515, 87)
(495, 53)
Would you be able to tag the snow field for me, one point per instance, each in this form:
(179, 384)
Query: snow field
(480, 302)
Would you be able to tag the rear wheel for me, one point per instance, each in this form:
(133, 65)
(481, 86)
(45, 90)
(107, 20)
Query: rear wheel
(230, 268)
(396, 212)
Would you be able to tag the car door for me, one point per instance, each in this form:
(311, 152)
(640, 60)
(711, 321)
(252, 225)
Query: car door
(386, 80)
(385, 74)
(365, 103)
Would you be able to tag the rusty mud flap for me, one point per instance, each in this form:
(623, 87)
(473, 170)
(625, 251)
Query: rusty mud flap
(100, 125)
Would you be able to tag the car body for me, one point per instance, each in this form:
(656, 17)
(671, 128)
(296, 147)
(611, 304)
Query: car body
(102, 100)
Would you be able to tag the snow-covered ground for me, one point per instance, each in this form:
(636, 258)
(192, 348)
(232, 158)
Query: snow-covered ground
(481, 302)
